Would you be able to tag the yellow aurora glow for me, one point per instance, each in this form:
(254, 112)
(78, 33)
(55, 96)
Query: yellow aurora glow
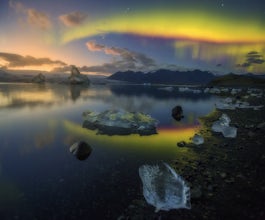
(234, 53)
(166, 139)
(192, 25)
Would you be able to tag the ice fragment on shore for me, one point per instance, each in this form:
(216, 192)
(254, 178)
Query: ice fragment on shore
(164, 188)
(222, 125)
(228, 104)
(197, 139)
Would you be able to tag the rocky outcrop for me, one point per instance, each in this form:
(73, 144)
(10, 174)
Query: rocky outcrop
(40, 78)
(77, 78)
(120, 122)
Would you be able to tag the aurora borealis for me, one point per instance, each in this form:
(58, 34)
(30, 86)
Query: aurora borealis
(219, 36)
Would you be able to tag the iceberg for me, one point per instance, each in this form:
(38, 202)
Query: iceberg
(120, 122)
(164, 188)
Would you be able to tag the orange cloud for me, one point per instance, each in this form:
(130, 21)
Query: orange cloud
(17, 6)
(11, 60)
(128, 60)
(92, 46)
(38, 19)
(34, 17)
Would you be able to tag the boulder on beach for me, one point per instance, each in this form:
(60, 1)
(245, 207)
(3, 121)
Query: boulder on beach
(81, 150)
(40, 78)
(120, 122)
(77, 78)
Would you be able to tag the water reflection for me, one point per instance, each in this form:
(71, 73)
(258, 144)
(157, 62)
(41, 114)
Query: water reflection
(38, 123)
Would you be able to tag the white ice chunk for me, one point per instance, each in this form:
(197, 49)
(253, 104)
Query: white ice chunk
(184, 89)
(225, 120)
(197, 139)
(168, 88)
(215, 91)
(229, 132)
(206, 90)
(235, 91)
(222, 125)
(164, 188)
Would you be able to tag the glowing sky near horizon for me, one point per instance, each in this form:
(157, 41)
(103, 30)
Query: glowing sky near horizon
(216, 35)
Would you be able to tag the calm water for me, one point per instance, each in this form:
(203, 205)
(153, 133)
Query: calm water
(40, 179)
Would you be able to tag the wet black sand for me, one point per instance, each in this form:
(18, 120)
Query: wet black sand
(227, 178)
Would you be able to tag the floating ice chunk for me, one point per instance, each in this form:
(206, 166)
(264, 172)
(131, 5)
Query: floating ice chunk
(225, 90)
(235, 91)
(196, 91)
(222, 105)
(197, 139)
(228, 100)
(184, 89)
(168, 88)
(206, 90)
(164, 188)
(214, 91)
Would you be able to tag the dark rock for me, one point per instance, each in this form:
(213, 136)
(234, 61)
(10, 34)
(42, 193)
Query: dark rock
(261, 126)
(81, 150)
(223, 175)
(196, 193)
(251, 134)
(181, 144)
(177, 113)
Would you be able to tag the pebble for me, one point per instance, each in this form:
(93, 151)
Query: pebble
(181, 144)
(196, 192)
(261, 125)
(251, 134)
(223, 175)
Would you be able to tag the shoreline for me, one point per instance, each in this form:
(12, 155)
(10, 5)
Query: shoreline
(227, 176)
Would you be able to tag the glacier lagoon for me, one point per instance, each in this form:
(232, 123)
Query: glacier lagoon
(40, 178)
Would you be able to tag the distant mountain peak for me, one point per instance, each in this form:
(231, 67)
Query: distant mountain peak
(165, 76)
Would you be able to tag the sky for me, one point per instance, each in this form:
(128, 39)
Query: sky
(106, 36)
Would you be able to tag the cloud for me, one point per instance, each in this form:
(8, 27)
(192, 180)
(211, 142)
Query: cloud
(38, 19)
(74, 18)
(124, 60)
(16, 60)
(92, 46)
(127, 60)
(253, 57)
(17, 6)
(31, 16)
(62, 69)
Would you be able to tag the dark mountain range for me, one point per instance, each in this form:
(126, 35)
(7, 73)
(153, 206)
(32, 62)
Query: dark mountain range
(238, 80)
(163, 76)
(256, 75)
